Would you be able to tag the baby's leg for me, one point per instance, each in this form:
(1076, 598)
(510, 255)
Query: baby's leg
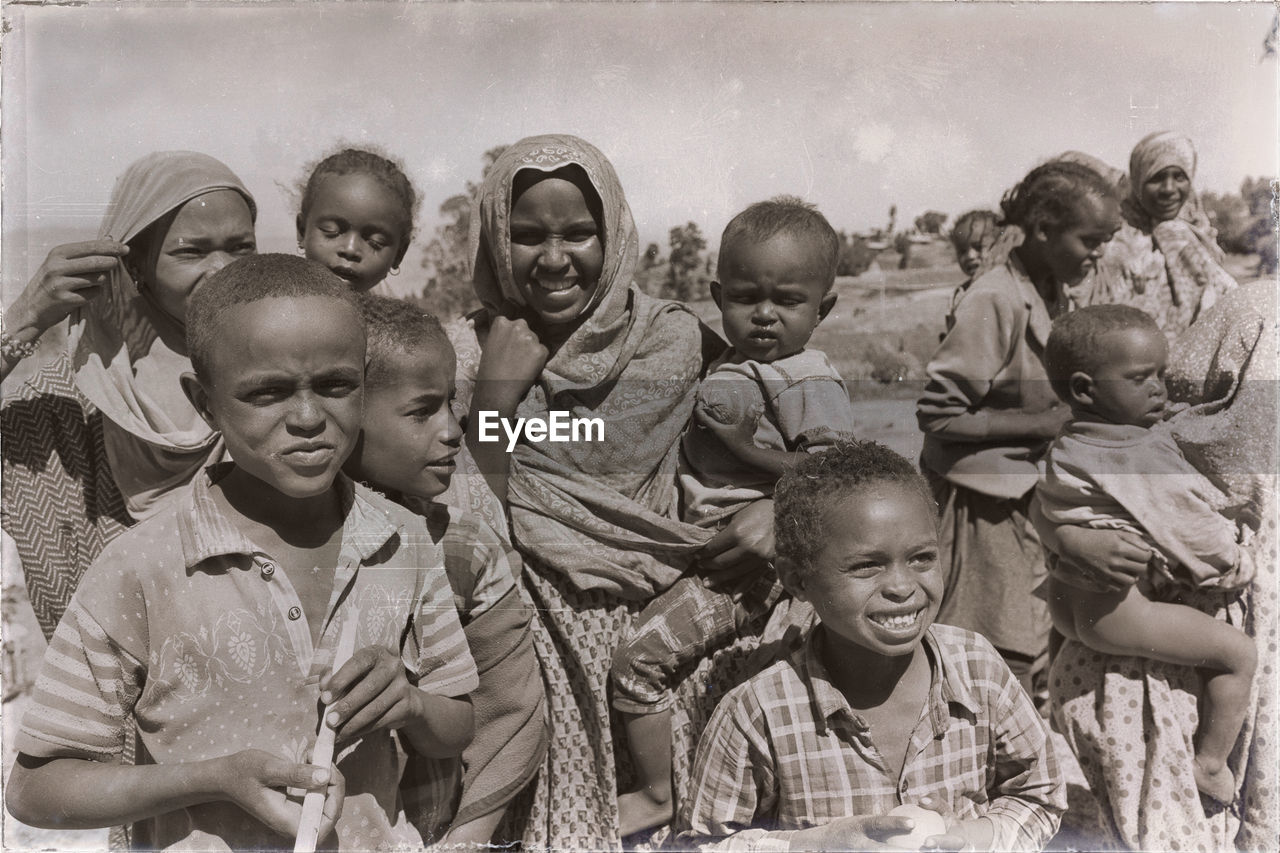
(1181, 635)
(674, 631)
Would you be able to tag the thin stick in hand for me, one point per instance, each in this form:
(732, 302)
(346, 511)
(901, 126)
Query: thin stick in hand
(322, 754)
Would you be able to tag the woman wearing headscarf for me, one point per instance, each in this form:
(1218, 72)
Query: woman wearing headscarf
(103, 432)
(564, 328)
(1166, 259)
(1131, 721)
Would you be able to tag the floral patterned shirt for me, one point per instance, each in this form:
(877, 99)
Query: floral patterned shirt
(187, 629)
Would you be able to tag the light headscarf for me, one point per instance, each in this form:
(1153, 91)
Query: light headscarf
(128, 353)
(602, 513)
(1183, 251)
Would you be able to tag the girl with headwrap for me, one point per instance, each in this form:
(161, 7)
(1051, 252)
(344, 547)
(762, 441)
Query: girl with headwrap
(103, 432)
(565, 329)
(1166, 258)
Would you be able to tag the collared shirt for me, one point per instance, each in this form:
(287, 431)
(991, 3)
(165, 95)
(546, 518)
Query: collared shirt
(797, 403)
(785, 752)
(186, 628)
(990, 361)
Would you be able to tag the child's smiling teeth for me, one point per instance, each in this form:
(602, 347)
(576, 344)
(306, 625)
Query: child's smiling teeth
(897, 622)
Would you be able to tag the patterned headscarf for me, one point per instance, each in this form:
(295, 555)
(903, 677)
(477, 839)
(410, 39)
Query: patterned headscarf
(602, 513)
(128, 353)
(1171, 269)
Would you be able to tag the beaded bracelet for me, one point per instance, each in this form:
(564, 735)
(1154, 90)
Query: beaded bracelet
(13, 350)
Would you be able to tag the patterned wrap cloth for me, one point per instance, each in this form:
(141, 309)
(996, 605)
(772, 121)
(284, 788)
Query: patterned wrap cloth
(596, 523)
(98, 435)
(1131, 721)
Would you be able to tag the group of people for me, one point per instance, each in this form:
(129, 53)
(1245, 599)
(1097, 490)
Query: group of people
(252, 502)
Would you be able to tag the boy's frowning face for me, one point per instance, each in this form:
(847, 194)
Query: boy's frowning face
(286, 389)
(410, 431)
(972, 242)
(877, 582)
(771, 296)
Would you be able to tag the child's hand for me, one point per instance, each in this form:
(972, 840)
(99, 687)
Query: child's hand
(742, 549)
(738, 434)
(370, 692)
(256, 782)
(977, 834)
(858, 832)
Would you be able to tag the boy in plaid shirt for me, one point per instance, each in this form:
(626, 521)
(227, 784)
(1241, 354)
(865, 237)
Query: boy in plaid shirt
(879, 707)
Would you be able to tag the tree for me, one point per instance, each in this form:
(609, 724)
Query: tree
(448, 292)
(855, 257)
(931, 222)
(1246, 223)
(685, 280)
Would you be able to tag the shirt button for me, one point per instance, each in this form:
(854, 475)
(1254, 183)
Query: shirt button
(295, 613)
(268, 570)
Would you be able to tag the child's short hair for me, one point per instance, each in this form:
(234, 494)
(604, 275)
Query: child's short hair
(1047, 196)
(805, 492)
(1075, 341)
(386, 170)
(250, 279)
(396, 326)
(784, 214)
(970, 223)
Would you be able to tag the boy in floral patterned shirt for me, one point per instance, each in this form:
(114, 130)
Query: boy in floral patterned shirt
(212, 625)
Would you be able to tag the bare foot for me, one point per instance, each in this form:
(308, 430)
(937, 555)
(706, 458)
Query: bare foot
(1219, 785)
(641, 810)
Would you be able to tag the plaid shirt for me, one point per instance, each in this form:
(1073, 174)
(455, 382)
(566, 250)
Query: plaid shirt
(785, 752)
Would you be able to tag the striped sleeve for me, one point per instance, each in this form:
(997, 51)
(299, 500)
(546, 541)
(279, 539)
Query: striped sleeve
(437, 650)
(82, 704)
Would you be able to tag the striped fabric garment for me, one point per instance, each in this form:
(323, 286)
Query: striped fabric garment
(183, 625)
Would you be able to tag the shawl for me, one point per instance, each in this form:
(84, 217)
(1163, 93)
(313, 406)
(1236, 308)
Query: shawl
(1180, 254)
(603, 513)
(128, 354)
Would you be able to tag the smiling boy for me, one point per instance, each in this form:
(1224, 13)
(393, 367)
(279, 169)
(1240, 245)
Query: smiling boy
(880, 707)
(212, 625)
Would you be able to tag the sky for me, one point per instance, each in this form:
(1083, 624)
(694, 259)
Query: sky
(702, 108)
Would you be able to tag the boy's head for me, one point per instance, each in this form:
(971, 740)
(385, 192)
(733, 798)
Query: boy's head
(972, 237)
(857, 537)
(410, 433)
(1108, 363)
(777, 265)
(277, 347)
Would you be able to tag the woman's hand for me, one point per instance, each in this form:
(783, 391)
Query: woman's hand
(72, 275)
(741, 550)
(256, 781)
(511, 361)
(1115, 558)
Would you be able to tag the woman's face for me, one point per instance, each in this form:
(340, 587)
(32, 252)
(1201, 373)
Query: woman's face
(1073, 250)
(1163, 194)
(209, 232)
(557, 250)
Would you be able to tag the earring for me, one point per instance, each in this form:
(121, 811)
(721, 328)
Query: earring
(394, 271)
(301, 251)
